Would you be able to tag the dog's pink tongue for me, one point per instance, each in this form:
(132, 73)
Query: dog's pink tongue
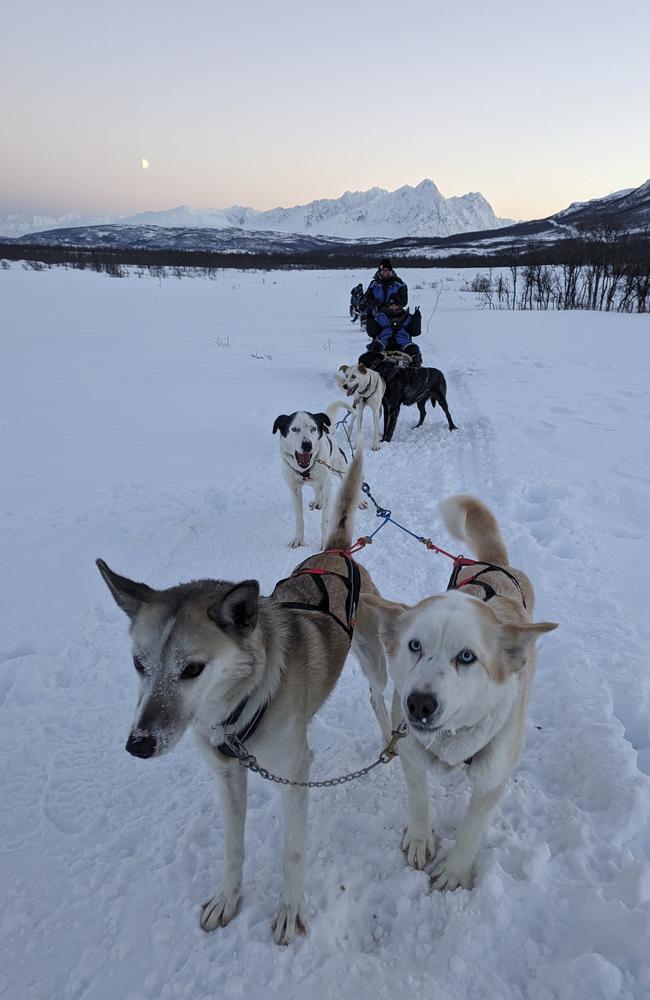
(303, 457)
(350, 392)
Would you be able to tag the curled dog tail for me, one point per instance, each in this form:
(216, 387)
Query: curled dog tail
(469, 520)
(331, 410)
(342, 523)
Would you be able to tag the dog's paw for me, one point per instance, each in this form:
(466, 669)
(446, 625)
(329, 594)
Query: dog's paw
(419, 850)
(291, 919)
(295, 543)
(453, 872)
(375, 447)
(315, 505)
(220, 910)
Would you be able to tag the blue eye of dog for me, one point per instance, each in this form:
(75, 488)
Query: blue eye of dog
(466, 656)
(415, 645)
(192, 670)
(138, 664)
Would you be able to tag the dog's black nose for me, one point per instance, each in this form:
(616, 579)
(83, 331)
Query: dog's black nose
(306, 446)
(421, 706)
(141, 746)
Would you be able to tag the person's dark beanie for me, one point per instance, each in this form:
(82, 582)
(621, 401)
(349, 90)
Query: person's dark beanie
(386, 263)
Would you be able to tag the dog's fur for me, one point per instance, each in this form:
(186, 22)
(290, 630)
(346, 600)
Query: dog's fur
(367, 387)
(252, 647)
(406, 386)
(461, 712)
(305, 444)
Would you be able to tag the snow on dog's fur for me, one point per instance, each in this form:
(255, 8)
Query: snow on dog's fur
(462, 664)
(368, 389)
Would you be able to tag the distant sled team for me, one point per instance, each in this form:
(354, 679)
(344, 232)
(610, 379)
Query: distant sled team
(392, 356)
(246, 673)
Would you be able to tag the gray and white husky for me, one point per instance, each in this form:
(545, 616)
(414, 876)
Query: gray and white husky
(216, 656)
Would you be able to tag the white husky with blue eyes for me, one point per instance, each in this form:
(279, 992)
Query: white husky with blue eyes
(462, 664)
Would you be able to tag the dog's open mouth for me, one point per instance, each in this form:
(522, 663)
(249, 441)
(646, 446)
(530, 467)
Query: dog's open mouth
(303, 458)
(351, 392)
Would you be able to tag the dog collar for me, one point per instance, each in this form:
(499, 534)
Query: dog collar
(246, 731)
(361, 391)
(304, 473)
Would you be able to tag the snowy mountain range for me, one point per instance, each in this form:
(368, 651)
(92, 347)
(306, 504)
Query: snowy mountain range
(408, 211)
(624, 212)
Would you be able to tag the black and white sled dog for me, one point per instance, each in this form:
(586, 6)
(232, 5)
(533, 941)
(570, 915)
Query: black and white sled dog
(214, 655)
(309, 457)
(368, 389)
(462, 664)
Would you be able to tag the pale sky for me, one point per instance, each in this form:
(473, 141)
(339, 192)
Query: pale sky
(534, 104)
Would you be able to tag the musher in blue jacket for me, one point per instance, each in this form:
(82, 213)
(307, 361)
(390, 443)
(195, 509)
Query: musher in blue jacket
(358, 307)
(391, 330)
(385, 285)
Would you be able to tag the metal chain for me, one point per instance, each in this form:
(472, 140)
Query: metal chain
(330, 467)
(248, 760)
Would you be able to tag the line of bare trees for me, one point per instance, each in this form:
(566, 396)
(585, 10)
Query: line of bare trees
(599, 274)
(115, 270)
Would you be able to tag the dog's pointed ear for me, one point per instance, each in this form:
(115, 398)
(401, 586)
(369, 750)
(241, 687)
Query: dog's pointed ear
(237, 610)
(282, 424)
(343, 368)
(390, 618)
(515, 642)
(128, 595)
(362, 368)
(322, 421)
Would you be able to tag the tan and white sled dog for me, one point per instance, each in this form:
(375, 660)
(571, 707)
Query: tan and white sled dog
(462, 664)
(214, 655)
(368, 389)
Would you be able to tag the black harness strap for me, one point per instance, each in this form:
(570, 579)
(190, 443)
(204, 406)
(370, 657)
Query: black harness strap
(353, 585)
(247, 730)
(489, 591)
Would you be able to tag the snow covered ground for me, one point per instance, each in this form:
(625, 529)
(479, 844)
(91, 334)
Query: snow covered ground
(135, 424)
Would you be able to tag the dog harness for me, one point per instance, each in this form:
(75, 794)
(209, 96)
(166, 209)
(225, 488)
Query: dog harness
(489, 591)
(352, 581)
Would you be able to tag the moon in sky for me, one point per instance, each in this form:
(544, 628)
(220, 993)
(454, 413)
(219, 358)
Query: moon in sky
(145, 163)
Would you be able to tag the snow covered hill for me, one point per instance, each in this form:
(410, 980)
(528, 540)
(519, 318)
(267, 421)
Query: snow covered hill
(629, 208)
(149, 237)
(409, 211)
(135, 424)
